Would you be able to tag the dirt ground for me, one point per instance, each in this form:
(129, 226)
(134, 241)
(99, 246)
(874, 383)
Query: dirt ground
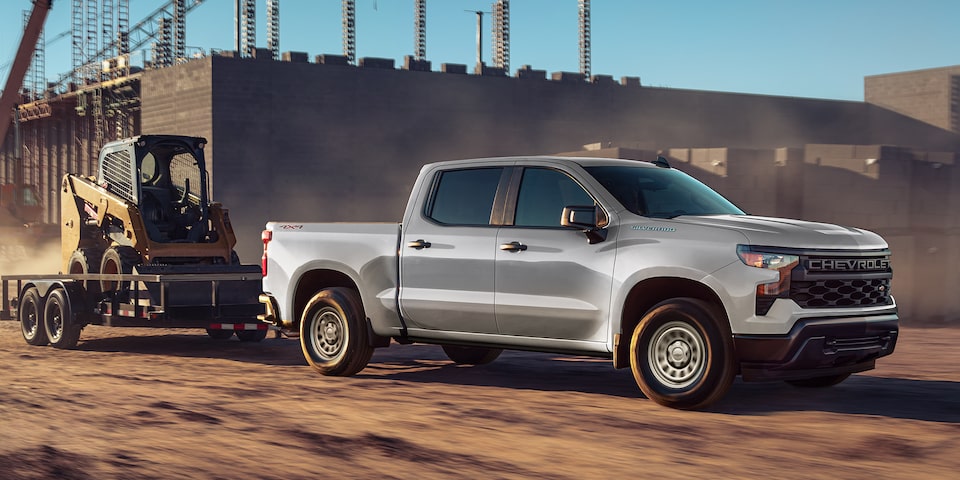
(146, 403)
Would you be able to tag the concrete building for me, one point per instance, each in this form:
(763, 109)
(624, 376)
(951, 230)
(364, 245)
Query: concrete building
(931, 95)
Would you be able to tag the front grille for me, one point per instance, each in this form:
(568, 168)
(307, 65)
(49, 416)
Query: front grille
(841, 293)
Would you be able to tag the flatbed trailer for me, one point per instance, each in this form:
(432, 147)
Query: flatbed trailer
(53, 309)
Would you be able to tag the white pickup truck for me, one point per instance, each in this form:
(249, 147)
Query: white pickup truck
(633, 261)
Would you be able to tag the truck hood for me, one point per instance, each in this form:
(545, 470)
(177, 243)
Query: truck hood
(783, 232)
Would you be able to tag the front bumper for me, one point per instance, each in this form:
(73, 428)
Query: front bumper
(817, 347)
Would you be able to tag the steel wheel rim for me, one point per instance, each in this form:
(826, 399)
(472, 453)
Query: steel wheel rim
(56, 321)
(328, 334)
(30, 324)
(676, 355)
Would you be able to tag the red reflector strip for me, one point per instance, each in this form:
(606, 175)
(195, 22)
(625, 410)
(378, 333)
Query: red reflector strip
(239, 326)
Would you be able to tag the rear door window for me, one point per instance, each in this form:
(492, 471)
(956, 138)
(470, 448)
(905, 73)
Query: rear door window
(464, 197)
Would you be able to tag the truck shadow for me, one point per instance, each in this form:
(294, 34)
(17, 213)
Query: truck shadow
(926, 400)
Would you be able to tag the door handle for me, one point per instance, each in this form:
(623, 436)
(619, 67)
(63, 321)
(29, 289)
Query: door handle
(513, 247)
(419, 244)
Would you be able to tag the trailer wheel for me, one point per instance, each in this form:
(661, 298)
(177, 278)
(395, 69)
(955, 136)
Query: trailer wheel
(117, 261)
(58, 320)
(681, 354)
(333, 334)
(471, 355)
(251, 335)
(218, 334)
(30, 315)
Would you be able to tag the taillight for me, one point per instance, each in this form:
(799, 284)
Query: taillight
(266, 236)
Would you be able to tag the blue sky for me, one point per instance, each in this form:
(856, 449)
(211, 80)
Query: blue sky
(804, 48)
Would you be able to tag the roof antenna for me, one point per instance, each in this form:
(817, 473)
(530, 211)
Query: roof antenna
(661, 162)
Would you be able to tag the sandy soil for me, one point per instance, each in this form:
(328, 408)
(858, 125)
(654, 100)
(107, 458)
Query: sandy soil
(145, 403)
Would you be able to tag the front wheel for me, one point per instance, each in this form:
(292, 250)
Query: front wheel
(471, 355)
(30, 314)
(819, 382)
(333, 334)
(681, 354)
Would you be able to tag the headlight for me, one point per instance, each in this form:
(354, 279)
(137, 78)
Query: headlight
(782, 263)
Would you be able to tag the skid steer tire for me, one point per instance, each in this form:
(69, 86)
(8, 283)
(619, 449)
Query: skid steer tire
(116, 261)
(84, 261)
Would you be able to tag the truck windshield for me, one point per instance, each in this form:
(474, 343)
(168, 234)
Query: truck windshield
(661, 192)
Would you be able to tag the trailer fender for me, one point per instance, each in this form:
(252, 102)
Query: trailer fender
(73, 290)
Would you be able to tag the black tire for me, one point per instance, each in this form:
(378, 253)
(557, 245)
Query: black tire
(116, 261)
(819, 382)
(681, 354)
(86, 260)
(218, 334)
(62, 329)
(251, 335)
(471, 355)
(30, 315)
(333, 333)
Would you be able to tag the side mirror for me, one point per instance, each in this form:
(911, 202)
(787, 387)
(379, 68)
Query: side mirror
(591, 219)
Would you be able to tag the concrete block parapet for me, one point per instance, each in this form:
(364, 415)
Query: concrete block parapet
(602, 80)
(297, 57)
(527, 72)
(414, 65)
(453, 68)
(263, 54)
(327, 59)
(630, 81)
(486, 71)
(376, 62)
(567, 77)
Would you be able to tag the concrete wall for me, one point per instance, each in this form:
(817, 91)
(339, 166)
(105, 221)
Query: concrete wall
(928, 95)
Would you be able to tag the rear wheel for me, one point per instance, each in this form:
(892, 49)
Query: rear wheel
(117, 261)
(58, 320)
(819, 382)
(333, 334)
(471, 355)
(681, 354)
(30, 314)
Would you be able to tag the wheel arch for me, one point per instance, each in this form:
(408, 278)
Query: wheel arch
(649, 292)
(311, 282)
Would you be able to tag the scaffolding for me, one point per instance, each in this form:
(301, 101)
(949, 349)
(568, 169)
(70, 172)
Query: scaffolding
(349, 8)
(76, 31)
(179, 30)
(585, 38)
(246, 27)
(501, 34)
(420, 29)
(106, 29)
(35, 79)
(273, 28)
(162, 52)
(123, 27)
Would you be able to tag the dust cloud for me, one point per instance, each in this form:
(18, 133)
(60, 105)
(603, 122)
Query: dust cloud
(20, 258)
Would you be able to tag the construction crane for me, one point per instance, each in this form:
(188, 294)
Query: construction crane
(21, 62)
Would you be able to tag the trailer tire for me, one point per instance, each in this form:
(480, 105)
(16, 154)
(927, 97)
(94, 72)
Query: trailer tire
(681, 354)
(58, 321)
(333, 333)
(118, 260)
(218, 334)
(251, 335)
(30, 315)
(471, 355)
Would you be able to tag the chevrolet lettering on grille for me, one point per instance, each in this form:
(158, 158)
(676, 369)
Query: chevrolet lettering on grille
(848, 264)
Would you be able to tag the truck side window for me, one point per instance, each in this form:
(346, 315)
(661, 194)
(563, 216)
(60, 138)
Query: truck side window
(543, 194)
(465, 197)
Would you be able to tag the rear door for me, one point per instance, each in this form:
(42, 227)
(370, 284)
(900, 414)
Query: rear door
(448, 252)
